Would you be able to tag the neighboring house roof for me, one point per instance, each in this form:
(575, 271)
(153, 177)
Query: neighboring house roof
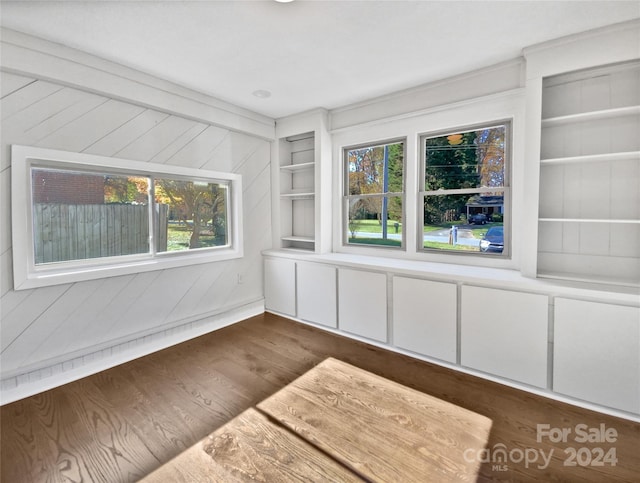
(486, 201)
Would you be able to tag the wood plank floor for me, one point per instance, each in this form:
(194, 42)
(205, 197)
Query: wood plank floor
(124, 423)
(347, 413)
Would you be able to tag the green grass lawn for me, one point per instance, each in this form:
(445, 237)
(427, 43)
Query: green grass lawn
(362, 227)
(374, 226)
(446, 246)
(178, 237)
(375, 241)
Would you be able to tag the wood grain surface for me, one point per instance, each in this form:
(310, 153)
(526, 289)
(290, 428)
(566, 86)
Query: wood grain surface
(380, 429)
(252, 448)
(123, 424)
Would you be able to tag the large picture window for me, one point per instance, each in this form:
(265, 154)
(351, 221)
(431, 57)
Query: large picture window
(465, 202)
(78, 217)
(374, 194)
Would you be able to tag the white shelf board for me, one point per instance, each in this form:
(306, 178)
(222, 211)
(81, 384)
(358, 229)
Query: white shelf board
(594, 158)
(300, 137)
(589, 220)
(303, 195)
(306, 150)
(566, 276)
(591, 116)
(297, 167)
(303, 239)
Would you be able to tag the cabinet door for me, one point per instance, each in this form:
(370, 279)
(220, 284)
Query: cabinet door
(280, 286)
(424, 317)
(362, 303)
(317, 295)
(597, 353)
(505, 333)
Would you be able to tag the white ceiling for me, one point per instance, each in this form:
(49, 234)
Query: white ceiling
(308, 54)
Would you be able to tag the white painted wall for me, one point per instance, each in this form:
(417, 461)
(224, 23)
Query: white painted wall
(484, 82)
(47, 328)
(23, 53)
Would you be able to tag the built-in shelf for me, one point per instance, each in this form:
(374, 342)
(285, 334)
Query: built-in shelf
(302, 195)
(302, 239)
(590, 150)
(591, 116)
(594, 158)
(298, 167)
(590, 279)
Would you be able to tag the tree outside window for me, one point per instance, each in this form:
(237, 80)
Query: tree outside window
(195, 213)
(466, 190)
(374, 194)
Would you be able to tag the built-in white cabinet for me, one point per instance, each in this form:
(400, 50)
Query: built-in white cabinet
(280, 286)
(362, 304)
(317, 293)
(505, 333)
(589, 201)
(424, 317)
(597, 353)
(573, 342)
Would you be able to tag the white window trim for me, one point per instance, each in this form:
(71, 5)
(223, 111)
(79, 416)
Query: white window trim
(345, 197)
(25, 273)
(508, 106)
(506, 188)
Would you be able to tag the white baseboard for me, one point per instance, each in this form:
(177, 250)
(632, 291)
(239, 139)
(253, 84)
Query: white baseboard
(56, 373)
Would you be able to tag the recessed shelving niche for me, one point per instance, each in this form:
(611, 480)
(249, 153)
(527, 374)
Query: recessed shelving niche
(589, 209)
(297, 191)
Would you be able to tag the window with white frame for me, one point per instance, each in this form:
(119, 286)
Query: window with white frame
(374, 194)
(80, 217)
(466, 197)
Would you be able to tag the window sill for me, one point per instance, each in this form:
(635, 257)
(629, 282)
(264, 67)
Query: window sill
(63, 275)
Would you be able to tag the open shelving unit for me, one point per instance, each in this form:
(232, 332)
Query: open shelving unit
(589, 205)
(297, 191)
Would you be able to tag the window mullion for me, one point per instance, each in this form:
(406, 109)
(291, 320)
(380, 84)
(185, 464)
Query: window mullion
(374, 195)
(153, 222)
(462, 191)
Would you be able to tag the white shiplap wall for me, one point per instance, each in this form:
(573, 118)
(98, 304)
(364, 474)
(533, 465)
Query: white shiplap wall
(47, 330)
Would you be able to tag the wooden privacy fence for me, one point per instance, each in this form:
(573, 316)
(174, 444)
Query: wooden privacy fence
(76, 232)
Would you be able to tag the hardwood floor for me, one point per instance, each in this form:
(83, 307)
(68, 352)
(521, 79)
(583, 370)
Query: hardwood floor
(123, 423)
